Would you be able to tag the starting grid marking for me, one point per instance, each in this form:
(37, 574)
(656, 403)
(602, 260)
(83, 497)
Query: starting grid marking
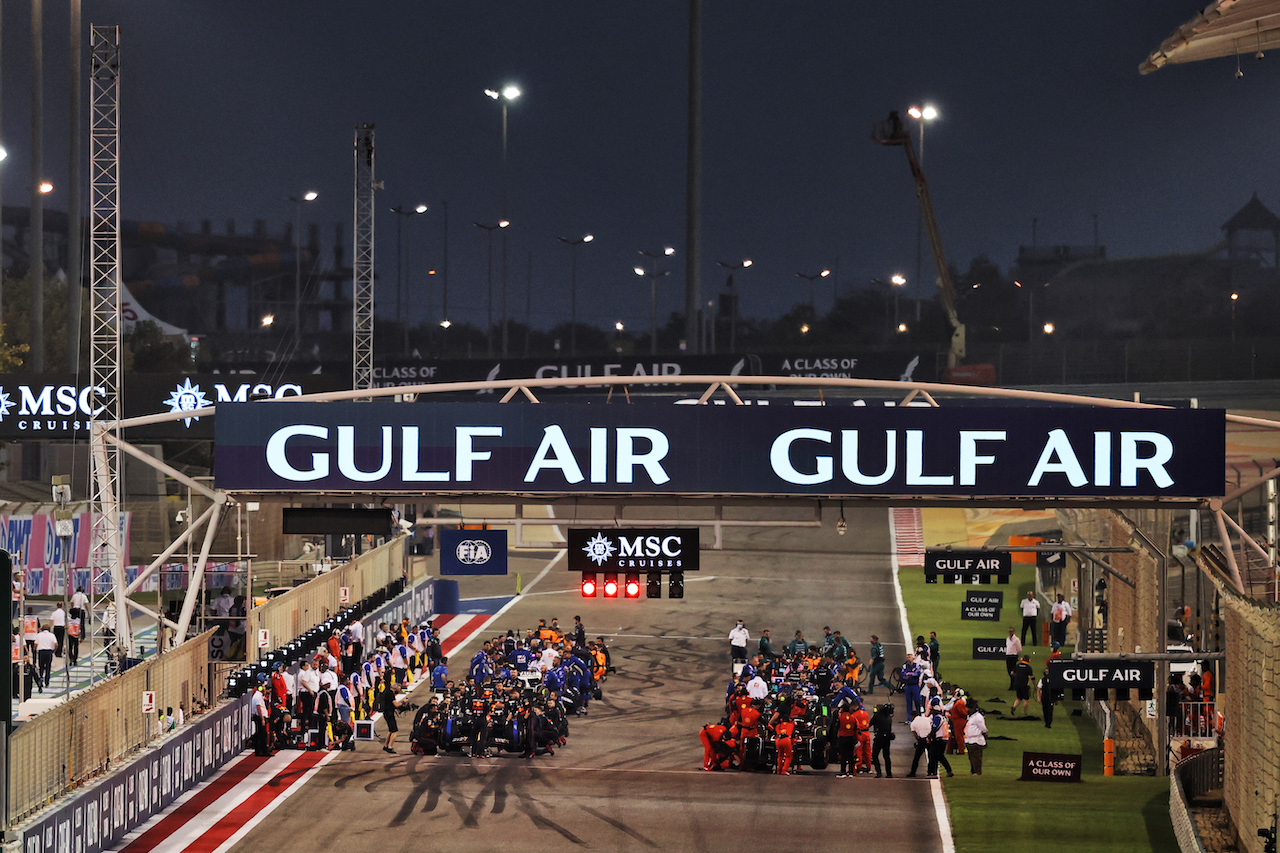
(217, 814)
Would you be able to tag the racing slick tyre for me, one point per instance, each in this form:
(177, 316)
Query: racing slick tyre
(818, 753)
(752, 753)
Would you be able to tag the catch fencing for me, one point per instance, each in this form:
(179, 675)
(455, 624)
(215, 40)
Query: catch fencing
(82, 738)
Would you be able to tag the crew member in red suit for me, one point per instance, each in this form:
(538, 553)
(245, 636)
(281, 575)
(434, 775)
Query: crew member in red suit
(782, 733)
(958, 714)
(718, 747)
(748, 726)
(864, 739)
(847, 742)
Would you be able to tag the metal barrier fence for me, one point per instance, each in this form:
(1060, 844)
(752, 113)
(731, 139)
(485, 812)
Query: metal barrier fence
(1195, 719)
(295, 612)
(81, 738)
(1194, 776)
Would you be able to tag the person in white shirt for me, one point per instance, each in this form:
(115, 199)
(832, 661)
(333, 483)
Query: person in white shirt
(308, 687)
(59, 628)
(79, 603)
(739, 636)
(757, 687)
(357, 639)
(223, 603)
(548, 659)
(1061, 615)
(261, 724)
(1030, 610)
(1012, 649)
(975, 738)
(46, 644)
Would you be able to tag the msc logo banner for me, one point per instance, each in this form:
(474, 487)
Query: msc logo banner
(648, 549)
(473, 552)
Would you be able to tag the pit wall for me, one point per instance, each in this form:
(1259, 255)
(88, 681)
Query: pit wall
(1133, 618)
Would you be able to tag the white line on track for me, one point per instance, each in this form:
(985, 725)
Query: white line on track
(939, 801)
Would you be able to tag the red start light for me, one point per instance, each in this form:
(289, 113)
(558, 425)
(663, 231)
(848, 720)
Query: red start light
(633, 589)
(610, 586)
(589, 588)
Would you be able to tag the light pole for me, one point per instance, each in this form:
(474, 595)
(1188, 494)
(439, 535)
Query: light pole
(733, 314)
(444, 264)
(922, 115)
(573, 287)
(898, 280)
(653, 275)
(501, 223)
(811, 279)
(1235, 297)
(504, 96)
(401, 212)
(310, 195)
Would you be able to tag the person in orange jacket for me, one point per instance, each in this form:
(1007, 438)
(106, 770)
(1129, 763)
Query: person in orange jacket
(748, 726)
(782, 734)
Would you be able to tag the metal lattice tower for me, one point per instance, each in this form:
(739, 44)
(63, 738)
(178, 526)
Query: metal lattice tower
(362, 268)
(106, 558)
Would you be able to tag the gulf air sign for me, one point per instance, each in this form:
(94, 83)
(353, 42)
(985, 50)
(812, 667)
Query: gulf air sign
(656, 449)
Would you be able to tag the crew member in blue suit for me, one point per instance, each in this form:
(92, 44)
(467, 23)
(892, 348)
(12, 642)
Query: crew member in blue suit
(911, 675)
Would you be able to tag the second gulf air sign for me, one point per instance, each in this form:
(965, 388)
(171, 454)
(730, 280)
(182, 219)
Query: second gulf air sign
(655, 449)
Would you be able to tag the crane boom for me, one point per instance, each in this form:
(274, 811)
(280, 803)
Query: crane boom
(894, 132)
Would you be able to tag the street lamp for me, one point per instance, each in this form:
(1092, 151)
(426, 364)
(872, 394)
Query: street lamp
(897, 280)
(401, 212)
(922, 115)
(1048, 328)
(811, 279)
(653, 275)
(504, 96)
(733, 314)
(1235, 297)
(45, 187)
(310, 195)
(501, 223)
(573, 287)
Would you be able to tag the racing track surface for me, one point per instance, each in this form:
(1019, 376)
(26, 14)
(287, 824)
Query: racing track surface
(630, 777)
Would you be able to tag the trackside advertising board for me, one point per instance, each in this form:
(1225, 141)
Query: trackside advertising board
(617, 449)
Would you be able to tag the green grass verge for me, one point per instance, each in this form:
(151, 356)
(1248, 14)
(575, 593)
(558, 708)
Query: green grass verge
(996, 811)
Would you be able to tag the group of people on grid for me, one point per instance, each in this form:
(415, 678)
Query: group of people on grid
(808, 696)
(316, 706)
(42, 642)
(517, 696)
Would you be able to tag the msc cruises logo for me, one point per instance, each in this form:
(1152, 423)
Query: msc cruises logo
(599, 549)
(187, 397)
(5, 404)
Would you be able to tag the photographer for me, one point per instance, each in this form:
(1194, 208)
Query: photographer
(388, 704)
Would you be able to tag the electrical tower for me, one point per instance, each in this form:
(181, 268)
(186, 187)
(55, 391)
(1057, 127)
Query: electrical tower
(362, 267)
(106, 559)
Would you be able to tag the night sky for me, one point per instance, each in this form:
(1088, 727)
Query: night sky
(230, 107)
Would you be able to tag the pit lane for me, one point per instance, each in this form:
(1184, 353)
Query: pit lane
(630, 778)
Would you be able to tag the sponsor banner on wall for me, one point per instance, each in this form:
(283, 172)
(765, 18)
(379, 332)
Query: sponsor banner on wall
(34, 543)
(97, 818)
(561, 448)
(1050, 767)
(1102, 674)
(473, 552)
(51, 406)
(635, 549)
(988, 648)
(903, 366)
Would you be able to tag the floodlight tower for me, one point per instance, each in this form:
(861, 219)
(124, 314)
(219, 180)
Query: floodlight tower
(362, 267)
(106, 559)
